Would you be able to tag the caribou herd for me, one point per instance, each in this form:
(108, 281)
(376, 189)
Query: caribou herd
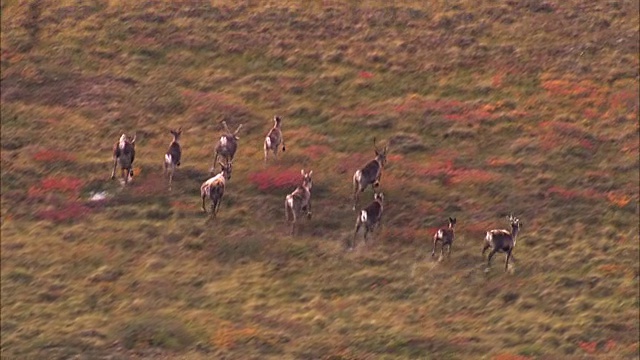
(298, 202)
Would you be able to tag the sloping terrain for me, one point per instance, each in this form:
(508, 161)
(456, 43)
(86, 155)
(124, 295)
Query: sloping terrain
(488, 108)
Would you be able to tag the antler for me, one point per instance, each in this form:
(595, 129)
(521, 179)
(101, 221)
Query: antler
(374, 144)
(238, 129)
(134, 138)
(226, 128)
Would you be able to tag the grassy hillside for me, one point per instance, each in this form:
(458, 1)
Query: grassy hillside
(488, 107)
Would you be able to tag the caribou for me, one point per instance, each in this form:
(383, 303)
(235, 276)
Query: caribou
(445, 236)
(273, 139)
(299, 201)
(370, 174)
(502, 241)
(227, 145)
(214, 189)
(124, 152)
(370, 217)
(172, 157)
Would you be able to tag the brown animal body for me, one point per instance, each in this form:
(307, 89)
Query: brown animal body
(444, 236)
(299, 201)
(124, 152)
(274, 139)
(173, 155)
(370, 174)
(227, 145)
(214, 189)
(501, 240)
(370, 217)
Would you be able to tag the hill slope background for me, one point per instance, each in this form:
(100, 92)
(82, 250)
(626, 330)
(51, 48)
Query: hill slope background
(488, 108)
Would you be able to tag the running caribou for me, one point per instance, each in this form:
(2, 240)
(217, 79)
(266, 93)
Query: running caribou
(227, 145)
(370, 174)
(444, 236)
(214, 189)
(502, 241)
(124, 152)
(299, 201)
(273, 139)
(370, 217)
(173, 155)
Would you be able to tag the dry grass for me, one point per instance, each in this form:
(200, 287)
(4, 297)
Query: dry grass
(488, 108)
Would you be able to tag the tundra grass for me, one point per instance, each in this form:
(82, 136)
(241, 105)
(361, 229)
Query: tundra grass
(488, 108)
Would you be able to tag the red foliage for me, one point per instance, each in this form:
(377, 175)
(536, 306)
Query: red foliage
(181, 205)
(69, 211)
(611, 269)
(499, 162)
(365, 74)
(50, 155)
(459, 176)
(452, 175)
(416, 104)
(625, 101)
(482, 226)
(572, 194)
(67, 185)
(275, 179)
(565, 128)
(610, 345)
(352, 162)
(620, 200)
(568, 88)
(588, 346)
(435, 169)
(496, 80)
(317, 151)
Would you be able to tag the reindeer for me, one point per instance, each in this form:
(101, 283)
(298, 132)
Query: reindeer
(370, 174)
(172, 157)
(445, 236)
(124, 152)
(227, 145)
(370, 217)
(502, 241)
(214, 189)
(274, 139)
(299, 200)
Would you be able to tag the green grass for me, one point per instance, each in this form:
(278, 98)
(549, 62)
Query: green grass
(489, 108)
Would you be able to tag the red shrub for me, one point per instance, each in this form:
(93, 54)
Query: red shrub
(415, 104)
(572, 194)
(588, 346)
(66, 185)
(275, 179)
(496, 80)
(68, 211)
(365, 74)
(53, 155)
(499, 162)
(483, 226)
(568, 88)
(624, 101)
(620, 200)
(460, 176)
(317, 151)
(181, 205)
(435, 169)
